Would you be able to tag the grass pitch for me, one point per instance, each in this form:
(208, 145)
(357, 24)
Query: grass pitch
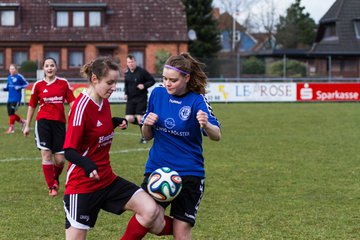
(281, 171)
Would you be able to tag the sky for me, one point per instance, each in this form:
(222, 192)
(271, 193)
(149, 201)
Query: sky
(316, 8)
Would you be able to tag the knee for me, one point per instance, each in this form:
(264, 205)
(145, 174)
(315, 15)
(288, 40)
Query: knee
(150, 212)
(130, 118)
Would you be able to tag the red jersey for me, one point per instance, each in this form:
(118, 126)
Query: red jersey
(90, 133)
(51, 97)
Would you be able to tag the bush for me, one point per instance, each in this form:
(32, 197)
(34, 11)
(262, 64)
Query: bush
(161, 56)
(293, 69)
(253, 65)
(28, 68)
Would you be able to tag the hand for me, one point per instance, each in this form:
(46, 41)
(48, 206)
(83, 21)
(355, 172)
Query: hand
(140, 86)
(122, 123)
(125, 97)
(94, 174)
(26, 131)
(151, 119)
(203, 118)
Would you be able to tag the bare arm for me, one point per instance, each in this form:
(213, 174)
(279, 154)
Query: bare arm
(211, 130)
(29, 116)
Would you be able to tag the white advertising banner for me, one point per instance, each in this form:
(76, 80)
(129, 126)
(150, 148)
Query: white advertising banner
(251, 92)
(3, 94)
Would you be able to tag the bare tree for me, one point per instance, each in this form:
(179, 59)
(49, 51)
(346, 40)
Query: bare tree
(236, 8)
(257, 16)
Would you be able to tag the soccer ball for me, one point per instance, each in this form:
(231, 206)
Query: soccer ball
(164, 184)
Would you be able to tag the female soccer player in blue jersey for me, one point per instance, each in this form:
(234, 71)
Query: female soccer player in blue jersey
(15, 83)
(177, 116)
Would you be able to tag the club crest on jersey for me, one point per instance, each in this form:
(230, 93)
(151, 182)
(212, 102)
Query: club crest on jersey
(169, 123)
(98, 124)
(184, 113)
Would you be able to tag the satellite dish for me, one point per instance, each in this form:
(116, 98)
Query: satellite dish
(192, 35)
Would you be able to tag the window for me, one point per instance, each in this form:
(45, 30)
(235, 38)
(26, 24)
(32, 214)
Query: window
(330, 32)
(20, 56)
(78, 19)
(62, 19)
(357, 28)
(53, 54)
(139, 56)
(2, 57)
(94, 19)
(8, 18)
(76, 58)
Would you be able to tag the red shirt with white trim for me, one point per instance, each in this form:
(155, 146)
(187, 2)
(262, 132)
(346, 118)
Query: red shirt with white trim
(51, 97)
(90, 133)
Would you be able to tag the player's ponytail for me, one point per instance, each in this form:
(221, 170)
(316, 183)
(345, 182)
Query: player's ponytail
(100, 67)
(85, 71)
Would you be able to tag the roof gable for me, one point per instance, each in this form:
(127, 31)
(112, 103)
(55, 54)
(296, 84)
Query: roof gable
(336, 31)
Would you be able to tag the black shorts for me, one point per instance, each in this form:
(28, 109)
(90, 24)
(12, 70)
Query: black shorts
(82, 209)
(12, 107)
(136, 106)
(185, 206)
(50, 135)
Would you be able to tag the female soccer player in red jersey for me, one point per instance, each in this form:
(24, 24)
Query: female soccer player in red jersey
(51, 93)
(91, 184)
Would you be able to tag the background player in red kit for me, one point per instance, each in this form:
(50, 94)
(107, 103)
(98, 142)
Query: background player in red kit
(51, 93)
(91, 184)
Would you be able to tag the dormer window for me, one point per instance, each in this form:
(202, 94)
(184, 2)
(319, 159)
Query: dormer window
(79, 14)
(8, 18)
(357, 28)
(330, 32)
(8, 14)
(62, 19)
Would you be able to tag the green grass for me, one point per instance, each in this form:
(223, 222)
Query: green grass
(281, 171)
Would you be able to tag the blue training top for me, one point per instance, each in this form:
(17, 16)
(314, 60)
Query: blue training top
(14, 85)
(177, 133)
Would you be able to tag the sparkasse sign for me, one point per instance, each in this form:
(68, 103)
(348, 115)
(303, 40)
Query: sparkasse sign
(326, 92)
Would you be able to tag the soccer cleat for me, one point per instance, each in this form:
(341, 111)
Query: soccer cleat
(142, 140)
(10, 130)
(56, 184)
(53, 191)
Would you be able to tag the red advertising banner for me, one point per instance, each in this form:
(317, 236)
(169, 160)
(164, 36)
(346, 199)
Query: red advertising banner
(328, 92)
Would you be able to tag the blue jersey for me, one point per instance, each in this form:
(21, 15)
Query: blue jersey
(177, 133)
(14, 86)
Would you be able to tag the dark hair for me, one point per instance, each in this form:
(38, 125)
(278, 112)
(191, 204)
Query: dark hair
(130, 56)
(49, 58)
(187, 63)
(100, 67)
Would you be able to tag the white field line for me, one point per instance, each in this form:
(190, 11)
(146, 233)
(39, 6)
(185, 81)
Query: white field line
(116, 132)
(111, 152)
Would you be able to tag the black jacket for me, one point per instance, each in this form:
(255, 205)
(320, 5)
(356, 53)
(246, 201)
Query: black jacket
(132, 79)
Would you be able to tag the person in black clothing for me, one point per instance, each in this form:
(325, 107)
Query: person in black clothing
(137, 81)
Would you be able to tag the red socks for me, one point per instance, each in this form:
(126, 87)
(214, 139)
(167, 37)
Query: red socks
(14, 118)
(134, 230)
(168, 228)
(48, 170)
(57, 171)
